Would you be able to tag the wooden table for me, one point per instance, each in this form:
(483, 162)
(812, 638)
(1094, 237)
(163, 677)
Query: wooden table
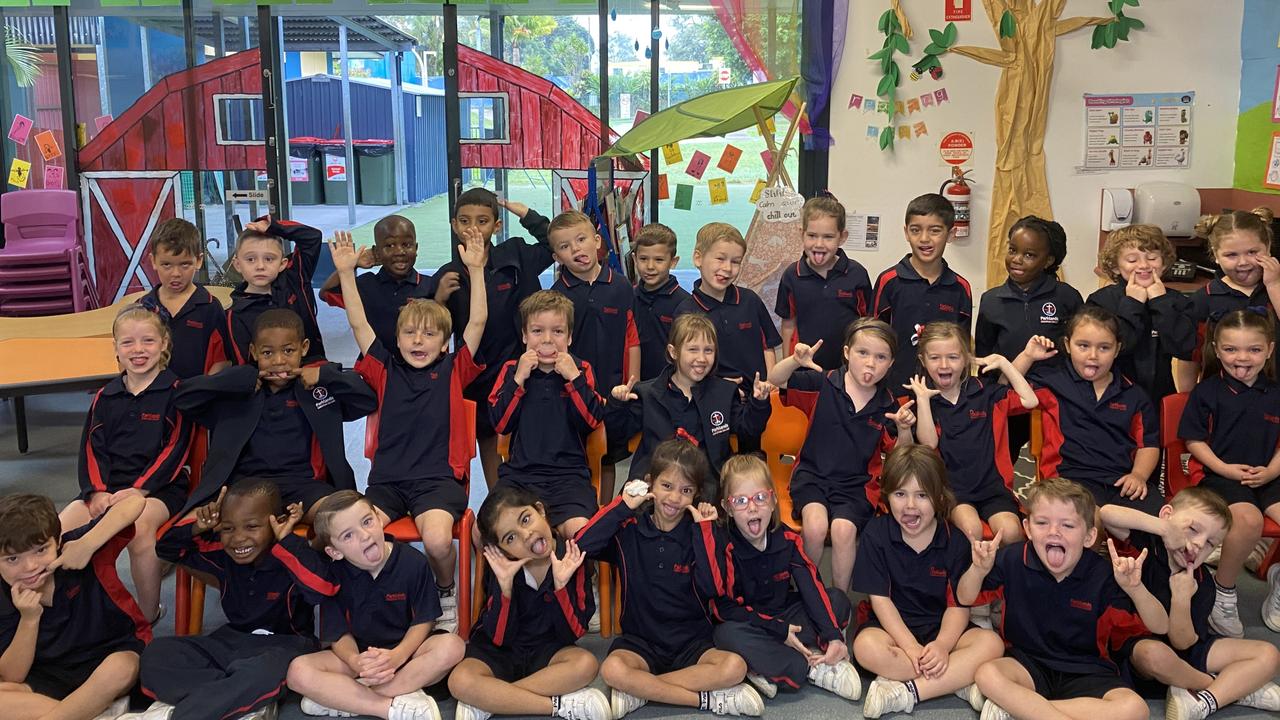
(36, 366)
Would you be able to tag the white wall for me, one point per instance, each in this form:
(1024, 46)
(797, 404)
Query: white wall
(1187, 45)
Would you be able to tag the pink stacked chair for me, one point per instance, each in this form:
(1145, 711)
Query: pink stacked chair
(43, 270)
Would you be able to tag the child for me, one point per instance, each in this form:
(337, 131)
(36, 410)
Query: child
(547, 401)
(744, 328)
(196, 319)
(135, 442)
(1063, 613)
(686, 400)
(395, 249)
(658, 295)
(272, 280)
(917, 640)
(1099, 427)
(241, 541)
(277, 420)
(69, 630)
(921, 288)
(824, 290)
(382, 649)
(772, 607)
(1204, 671)
(511, 275)
(839, 465)
(419, 466)
(1231, 428)
(665, 652)
(964, 418)
(522, 658)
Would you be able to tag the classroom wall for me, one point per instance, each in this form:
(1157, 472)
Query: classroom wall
(1259, 61)
(1187, 45)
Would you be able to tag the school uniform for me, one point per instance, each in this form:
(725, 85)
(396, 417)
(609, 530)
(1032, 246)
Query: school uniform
(760, 594)
(655, 311)
(93, 615)
(293, 436)
(1008, 315)
(839, 463)
(1241, 424)
(972, 438)
(823, 307)
(136, 441)
(377, 612)
(1151, 335)
(908, 302)
(420, 458)
(198, 331)
(291, 289)
(1214, 300)
(383, 294)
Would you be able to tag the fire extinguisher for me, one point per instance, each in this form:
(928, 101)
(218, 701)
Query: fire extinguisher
(957, 190)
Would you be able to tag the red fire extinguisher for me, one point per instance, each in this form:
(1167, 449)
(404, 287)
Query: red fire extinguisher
(957, 190)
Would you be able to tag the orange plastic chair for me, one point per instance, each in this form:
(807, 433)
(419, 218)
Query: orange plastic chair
(188, 592)
(783, 437)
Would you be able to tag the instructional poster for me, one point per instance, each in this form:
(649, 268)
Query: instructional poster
(1139, 131)
(864, 232)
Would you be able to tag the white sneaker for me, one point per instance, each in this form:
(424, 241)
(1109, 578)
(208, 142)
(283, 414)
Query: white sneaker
(469, 712)
(841, 679)
(311, 707)
(981, 616)
(887, 696)
(992, 711)
(1271, 605)
(1266, 698)
(767, 687)
(972, 695)
(593, 625)
(584, 704)
(1225, 617)
(1182, 705)
(157, 711)
(741, 699)
(413, 706)
(269, 712)
(622, 703)
(448, 620)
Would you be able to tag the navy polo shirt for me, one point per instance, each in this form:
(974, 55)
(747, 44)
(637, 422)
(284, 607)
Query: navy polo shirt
(823, 307)
(684, 413)
(908, 302)
(655, 311)
(418, 408)
(1210, 303)
(382, 295)
(844, 444)
(1240, 423)
(744, 330)
(134, 441)
(604, 322)
(291, 289)
(548, 419)
(377, 612)
(1008, 315)
(920, 584)
(537, 615)
(197, 331)
(283, 444)
(1070, 626)
(1089, 439)
(1151, 335)
(1155, 577)
(973, 433)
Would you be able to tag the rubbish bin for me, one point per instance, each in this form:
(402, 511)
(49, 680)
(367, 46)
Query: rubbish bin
(306, 175)
(336, 175)
(376, 165)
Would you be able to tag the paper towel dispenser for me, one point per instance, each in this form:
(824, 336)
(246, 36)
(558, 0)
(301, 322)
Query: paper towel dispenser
(1117, 208)
(1173, 207)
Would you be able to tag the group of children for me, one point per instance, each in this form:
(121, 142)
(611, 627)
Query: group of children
(224, 433)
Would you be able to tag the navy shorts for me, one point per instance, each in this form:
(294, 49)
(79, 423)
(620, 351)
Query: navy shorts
(414, 497)
(1233, 492)
(843, 501)
(619, 426)
(1110, 495)
(565, 497)
(1000, 501)
(1057, 685)
(664, 660)
(511, 664)
(308, 491)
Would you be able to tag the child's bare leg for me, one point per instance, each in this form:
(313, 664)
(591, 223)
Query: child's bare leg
(975, 647)
(145, 568)
(1246, 529)
(570, 669)
(326, 679)
(21, 704)
(74, 515)
(1118, 704)
(433, 659)
(715, 670)
(489, 460)
(114, 677)
(1242, 666)
(1158, 661)
(569, 528)
(814, 526)
(844, 548)
(1008, 526)
(875, 650)
(435, 527)
(965, 517)
(1007, 683)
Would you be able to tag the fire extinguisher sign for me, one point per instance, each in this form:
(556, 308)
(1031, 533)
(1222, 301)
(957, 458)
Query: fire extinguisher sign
(956, 148)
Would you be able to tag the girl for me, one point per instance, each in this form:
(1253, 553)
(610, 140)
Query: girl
(687, 399)
(665, 652)
(834, 478)
(135, 442)
(917, 640)
(964, 417)
(1241, 245)
(1155, 323)
(522, 658)
(1231, 428)
(773, 609)
(1099, 427)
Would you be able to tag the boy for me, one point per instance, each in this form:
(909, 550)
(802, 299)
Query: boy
(1062, 612)
(395, 248)
(547, 401)
(196, 319)
(745, 332)
(510, 274)
(276, 419)
(378, 620)
(1204, 671)
(273, 280)
(241, 542)
(604, 329)
(70, 631)
(921, 288)
(658, 295)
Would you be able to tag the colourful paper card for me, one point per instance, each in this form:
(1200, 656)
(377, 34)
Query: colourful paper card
(54, 177)
(664, 191)
(671, 154)
(755, 192)
(48, 145)
(684, 196)
(101, 122)
(729, 158)
(719, 191)
(697, 164)
(19, 173)
(20, 129)
(767, 157)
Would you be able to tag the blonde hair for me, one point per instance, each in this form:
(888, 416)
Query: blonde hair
(925, 465)
(1067, 491)
(570, 218)
(689, 326)
(1217, 227)
(546, 301)
(743, 467)
(822, 205)
(715, 232)
(945, 330)
(1144, 238)
(137, 312)
(424, 314)
(1203, 499)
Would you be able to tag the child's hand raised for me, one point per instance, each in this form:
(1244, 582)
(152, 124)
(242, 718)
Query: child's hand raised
(504, 568)
(1270, 270)
(761, 389)
(804, 355)
(1040, 348)
(472, 249)
(1136, 291)
(994, 361)
(622, 393)
(343, 250)
(921, 389)
(528, 361)
(282, 528)
(562, 569)
(448, 284)
(983, 552)
(567, 367)
(636, 493)
(702, 512)
(514, 207)
(1128, 571)
(903, 418)
(209, 516)
(261, 225)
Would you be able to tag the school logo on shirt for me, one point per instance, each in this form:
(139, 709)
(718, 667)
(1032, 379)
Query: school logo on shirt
(1273, 419)
(609, 310)
(395, 597)
(844, 294)
(272, 596)
(1049, 314)
(293, 299)
(1082, 605)
(944, 307)
(682, 569)
(937, 572)
(195, 324)
(503, 287)
(323, 399)
(744, 326)
(72, 591)
(782, 576)
(151, 417)
(718, 425)
(1118, 406)
(977, 414)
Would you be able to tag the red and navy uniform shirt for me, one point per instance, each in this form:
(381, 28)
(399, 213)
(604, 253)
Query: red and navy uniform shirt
(1008, 315)
(382, 295)
(655, 311)
(744, 330)
(604, 322)
(1240, 423)
(377, 612)
(418, 409)
(134, 441)
(908, 302)
(921, 585)
(1155, 577)
(1151, 335)
(1213, 301)
(1071, 626)
(534, 618)
(548, 419)
(291, 289)
(198, 331)
(844, 444)
(1088, 439)
(664, 600)
(823, 307)
(282, 445)
(92, 615)
(972, 436)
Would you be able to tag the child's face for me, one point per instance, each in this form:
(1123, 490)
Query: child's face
(1093, 350)
(695, 358)
(751, 505)
(672, 493)
(420, 346)
(29, 569)
(1202, 532)
(1243, 352)
(945, 362)
(355, 535)
(822, 237)
(139, 346)
(245, 531)
(1238, 255)
(480, 217)
(1027, 256)
(576, 247)
(398, 250)
(1143, 266)
(259, 261)
(927, 235)
(523, 532)
(175, 270)
(278, 352)
(653, 264)
(719, 265)
(868, 358)
(912, 507)
(1059, 535)
(548, 334)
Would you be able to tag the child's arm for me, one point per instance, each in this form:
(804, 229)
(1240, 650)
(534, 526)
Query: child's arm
(1128, 573)
(354, 396)
(1171, 318)
(750, 414)
(196, 396)
(1011, 375)
(935, 657)
(17, 658)
(787, 330)
(891, 621)
(508, 390)
(345, 259)
(307, 242)
(1271, 278)
(472, 252)
(926, 430)
(768, 332)
(802, 357)
(172, 460)
(120, 517)
(347, 651)
(331, 291)
(983, 560)
(985, 333)
(571, 578)
(409, 644)
(804, 574)
(1119, 521)
(95, 463)
(1182, 631)
(1134, 483)
(314, 575)
(903, 420)
(1038, 348)
(586, 405)
(596, 538)
(499, 608)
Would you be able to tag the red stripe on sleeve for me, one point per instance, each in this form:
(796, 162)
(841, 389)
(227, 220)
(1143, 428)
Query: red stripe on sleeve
(175, 434)
(500, 633)
(91, 460)
(709, 543)
(566, 608)
(302, 572)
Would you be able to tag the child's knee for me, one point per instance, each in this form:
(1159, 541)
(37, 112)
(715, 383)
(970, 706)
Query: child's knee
(1127, 705)
(733, 668)
(843, 533)
(301, 671)
(614, 668)
(990, 677)
(1246, 520)
(437, 542)
(1153, 656)
(448, 647)
(1269, 655)
(461, 682)
(583, 663)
